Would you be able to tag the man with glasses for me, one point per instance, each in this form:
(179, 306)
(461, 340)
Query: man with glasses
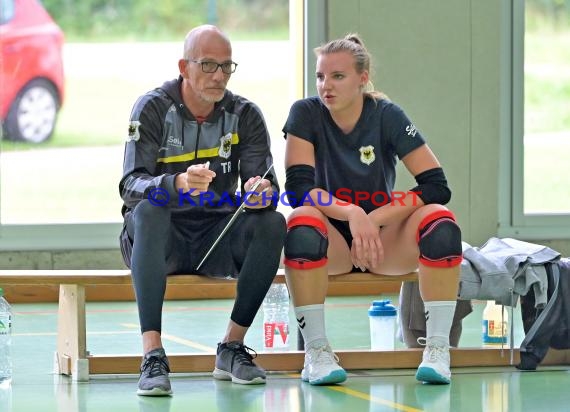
(189, 143)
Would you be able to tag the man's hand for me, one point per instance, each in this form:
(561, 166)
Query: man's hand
(257, 196)
(196, 179)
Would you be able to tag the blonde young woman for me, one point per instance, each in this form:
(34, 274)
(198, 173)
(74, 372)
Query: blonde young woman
(341, 152)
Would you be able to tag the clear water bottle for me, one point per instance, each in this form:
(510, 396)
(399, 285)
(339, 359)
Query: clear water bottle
(276, 317)
(382, 315)
(5, 340)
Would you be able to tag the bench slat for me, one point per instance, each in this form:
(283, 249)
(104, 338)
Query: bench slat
(123, 277)
(32, 286)
(65, 277)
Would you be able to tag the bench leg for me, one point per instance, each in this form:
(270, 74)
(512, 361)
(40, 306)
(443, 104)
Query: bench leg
(71, 333)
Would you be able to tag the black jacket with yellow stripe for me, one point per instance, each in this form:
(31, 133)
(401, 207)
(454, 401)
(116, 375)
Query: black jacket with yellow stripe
(164, 139)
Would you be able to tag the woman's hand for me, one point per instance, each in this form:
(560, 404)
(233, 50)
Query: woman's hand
(366, 250)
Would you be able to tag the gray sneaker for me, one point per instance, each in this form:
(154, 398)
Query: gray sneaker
(234, 362)
(153, 380)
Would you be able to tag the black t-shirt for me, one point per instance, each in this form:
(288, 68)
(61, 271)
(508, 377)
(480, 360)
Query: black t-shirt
(359, 167)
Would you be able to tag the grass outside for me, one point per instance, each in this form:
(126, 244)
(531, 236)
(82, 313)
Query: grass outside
(547, 82)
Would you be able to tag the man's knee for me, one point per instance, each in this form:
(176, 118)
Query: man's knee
(146, 222)
(273, 222)
(306, 243)
(268, 226)
(146, 213)
(439, 240)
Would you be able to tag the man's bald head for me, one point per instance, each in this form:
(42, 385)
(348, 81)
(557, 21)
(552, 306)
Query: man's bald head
(203, 35)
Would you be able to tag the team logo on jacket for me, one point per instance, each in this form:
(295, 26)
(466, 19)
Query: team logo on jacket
(225, 149)
(367, 155)
(133, 134)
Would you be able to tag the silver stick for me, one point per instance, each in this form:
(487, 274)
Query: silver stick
(234, 217)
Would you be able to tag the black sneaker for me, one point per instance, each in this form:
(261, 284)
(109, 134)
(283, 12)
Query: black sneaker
(234, 362)
(154, 380)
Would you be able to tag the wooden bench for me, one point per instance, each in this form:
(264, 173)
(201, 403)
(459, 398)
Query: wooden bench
(33, 286)
(73, 358)
(75, 287)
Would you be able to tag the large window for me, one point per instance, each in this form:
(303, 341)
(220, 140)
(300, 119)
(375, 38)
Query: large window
(547, 107)
(63, 193)
(540, 204)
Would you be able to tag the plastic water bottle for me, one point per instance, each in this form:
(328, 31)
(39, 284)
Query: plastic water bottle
(382, 315)
(276, 317)
(5, 341)
(495, 324)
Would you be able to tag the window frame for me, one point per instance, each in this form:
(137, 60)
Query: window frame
(513, 221)
(78, 236)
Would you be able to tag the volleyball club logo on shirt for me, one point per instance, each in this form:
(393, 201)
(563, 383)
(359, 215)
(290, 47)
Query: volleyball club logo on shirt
(367, 155)
(133, 134)
(225, 146)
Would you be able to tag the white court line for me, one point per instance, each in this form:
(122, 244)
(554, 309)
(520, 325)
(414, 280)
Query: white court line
(176, 339)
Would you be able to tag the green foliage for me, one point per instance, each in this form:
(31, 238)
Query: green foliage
(547, 81)
(547, 15)
(546, 104)
(107, 20)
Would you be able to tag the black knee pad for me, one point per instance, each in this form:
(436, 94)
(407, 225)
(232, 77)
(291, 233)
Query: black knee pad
(306, 243)
(439, 240)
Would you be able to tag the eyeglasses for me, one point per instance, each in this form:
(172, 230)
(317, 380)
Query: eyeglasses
(212, 67)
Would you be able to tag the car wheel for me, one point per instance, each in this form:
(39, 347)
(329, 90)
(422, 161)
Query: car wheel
(33, 113)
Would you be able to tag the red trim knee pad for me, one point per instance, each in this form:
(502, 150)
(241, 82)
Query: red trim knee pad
(439, 240)
(306, 243)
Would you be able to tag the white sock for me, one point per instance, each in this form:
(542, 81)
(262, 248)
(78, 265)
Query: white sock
(311, 322)
(439, 317)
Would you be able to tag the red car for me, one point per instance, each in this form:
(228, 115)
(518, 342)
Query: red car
(31, 71)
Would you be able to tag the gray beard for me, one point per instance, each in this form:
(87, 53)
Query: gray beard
(210, 99)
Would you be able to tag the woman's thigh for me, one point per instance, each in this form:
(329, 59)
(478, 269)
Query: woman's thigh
(399, 240)
(339, 258)
(401, 252)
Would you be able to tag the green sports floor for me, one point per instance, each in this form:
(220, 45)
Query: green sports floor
(196, 326)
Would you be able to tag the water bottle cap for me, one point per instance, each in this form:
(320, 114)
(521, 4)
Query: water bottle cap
(382, 302)
(382, 308)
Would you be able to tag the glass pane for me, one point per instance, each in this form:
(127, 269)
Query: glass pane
(73, 176)
(547, 107)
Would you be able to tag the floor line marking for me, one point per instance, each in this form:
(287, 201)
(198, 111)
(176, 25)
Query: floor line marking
(374, 399)
(179, 340)
(117, 332)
